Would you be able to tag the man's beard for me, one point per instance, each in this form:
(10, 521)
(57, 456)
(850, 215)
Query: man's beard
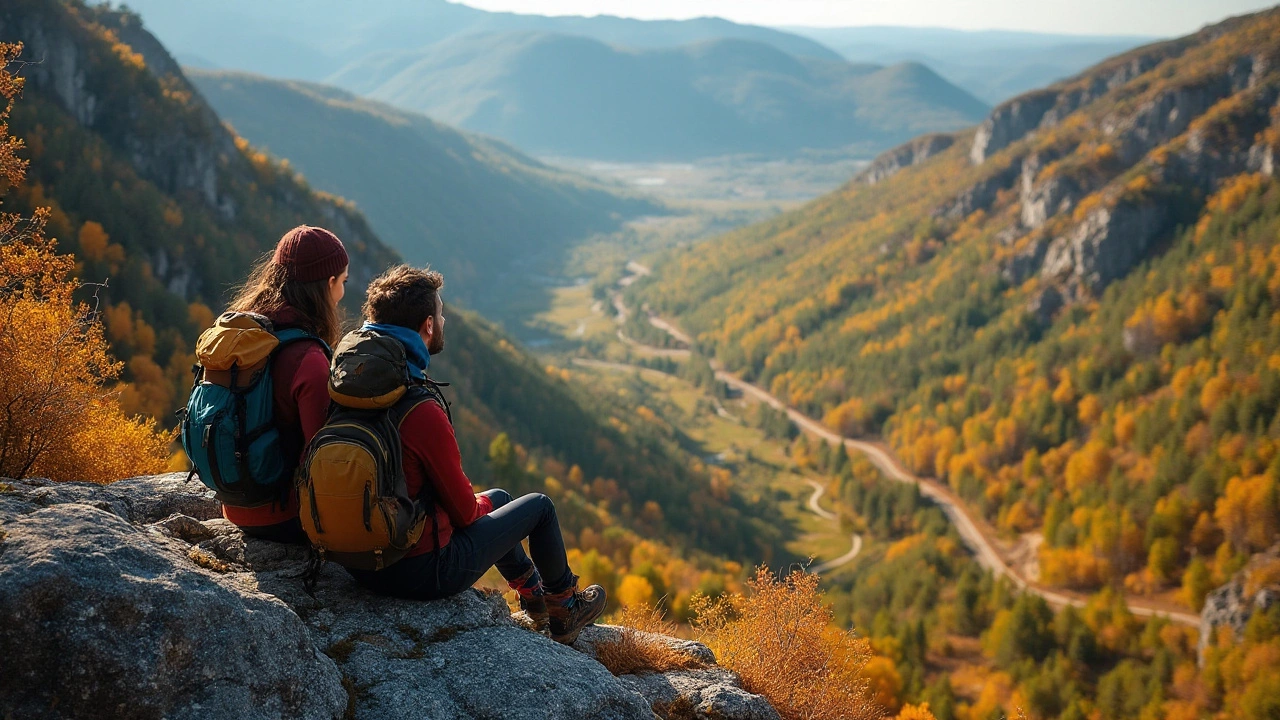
(436, 346)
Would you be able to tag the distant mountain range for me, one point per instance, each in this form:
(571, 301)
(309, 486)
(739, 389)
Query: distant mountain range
(993, 65)
(600, 87)
(472, 207)
(572, 95)
(623, 89)
(311, 39)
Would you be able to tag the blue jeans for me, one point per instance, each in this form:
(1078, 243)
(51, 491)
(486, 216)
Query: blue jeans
(491, 540)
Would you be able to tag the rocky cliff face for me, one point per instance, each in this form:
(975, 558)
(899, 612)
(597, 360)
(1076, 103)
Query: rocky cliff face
(136, 600)
(1141, 146)
(1254, 589)
(184, 158)
(1010, 122)
(905, 155)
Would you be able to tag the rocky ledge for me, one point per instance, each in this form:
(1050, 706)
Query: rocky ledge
(1254, 589)
(136, 600)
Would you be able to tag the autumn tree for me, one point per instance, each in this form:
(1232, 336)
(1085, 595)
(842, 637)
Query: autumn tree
(58, 418)
(1248, 513)
(783, 645)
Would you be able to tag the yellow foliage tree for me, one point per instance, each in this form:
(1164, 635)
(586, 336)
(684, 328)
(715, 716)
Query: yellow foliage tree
(93, 241)
(636, 591)
(1247, 513)
(781, 642)
(915, 712)
(58, 418)
(1088, 466)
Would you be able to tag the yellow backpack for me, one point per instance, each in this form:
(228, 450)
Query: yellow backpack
(354, 505)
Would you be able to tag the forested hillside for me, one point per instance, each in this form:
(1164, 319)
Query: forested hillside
(480, 211)
(148, 189)
(1069, 314)
(576, 96)
(150, 192)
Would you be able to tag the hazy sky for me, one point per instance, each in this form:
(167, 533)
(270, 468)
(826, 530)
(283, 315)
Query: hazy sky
(1101, 17)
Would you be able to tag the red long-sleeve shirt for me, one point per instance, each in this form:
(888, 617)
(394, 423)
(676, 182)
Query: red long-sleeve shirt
(431, 455)
(300, 388)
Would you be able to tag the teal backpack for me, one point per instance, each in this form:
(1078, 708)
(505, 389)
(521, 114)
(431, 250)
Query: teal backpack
(228, 426)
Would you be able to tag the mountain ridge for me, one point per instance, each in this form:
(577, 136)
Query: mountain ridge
(977, 60)
(717, 97)
(289, 39)
(474, 207)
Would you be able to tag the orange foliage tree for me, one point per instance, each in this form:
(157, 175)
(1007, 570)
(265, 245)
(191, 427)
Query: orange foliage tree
(57, 418)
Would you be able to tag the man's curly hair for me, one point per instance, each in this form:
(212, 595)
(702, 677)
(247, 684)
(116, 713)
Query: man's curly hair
(404, 296)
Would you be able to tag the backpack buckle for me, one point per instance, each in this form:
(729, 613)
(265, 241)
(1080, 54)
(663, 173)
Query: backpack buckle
(377, 559)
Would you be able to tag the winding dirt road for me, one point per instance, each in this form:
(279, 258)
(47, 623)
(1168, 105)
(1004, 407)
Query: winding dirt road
(825, 514)
(818, 489)
(983, 549)
(981, 546)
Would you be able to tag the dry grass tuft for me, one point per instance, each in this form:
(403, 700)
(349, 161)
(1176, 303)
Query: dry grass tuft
(781, 642)
(641, 647)
(208, 560)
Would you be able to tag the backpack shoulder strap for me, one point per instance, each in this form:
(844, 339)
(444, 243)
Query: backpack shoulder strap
(288, 336)
(415, 396)
(434, 389)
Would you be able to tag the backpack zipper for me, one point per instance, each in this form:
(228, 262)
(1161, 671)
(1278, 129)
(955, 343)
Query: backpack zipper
(368, 524)
(315, 511)
(214, 470)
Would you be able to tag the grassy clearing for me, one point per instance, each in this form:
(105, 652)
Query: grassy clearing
(759, 464)
(573, 317)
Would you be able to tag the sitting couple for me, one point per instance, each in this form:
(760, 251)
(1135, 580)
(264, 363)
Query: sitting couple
(299, 287)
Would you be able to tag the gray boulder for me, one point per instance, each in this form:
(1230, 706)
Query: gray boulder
(136, 600)
(103, 618)
(704, 694)
(698, 693)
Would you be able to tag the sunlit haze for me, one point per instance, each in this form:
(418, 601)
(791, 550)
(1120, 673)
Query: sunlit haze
(1093, 17)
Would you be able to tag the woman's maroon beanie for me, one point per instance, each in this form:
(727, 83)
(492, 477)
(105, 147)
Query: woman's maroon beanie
(309, 254)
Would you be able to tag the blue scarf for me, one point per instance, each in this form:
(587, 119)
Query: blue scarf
(414, 349)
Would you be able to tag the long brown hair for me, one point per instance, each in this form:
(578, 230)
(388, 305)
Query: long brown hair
(269, 291)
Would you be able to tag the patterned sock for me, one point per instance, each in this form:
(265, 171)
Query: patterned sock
(529, 584)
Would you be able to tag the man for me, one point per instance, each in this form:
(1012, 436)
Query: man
(473, 532)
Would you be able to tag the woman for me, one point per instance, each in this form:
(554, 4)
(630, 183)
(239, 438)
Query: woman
(299, 286)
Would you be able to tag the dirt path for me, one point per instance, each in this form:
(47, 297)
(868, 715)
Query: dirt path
(825, 514)
(981, 546)
(977, 541)
(818, 489)
(818, 492)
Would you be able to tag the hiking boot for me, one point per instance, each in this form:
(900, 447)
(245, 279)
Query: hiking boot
(572, 610)
(535, 606)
